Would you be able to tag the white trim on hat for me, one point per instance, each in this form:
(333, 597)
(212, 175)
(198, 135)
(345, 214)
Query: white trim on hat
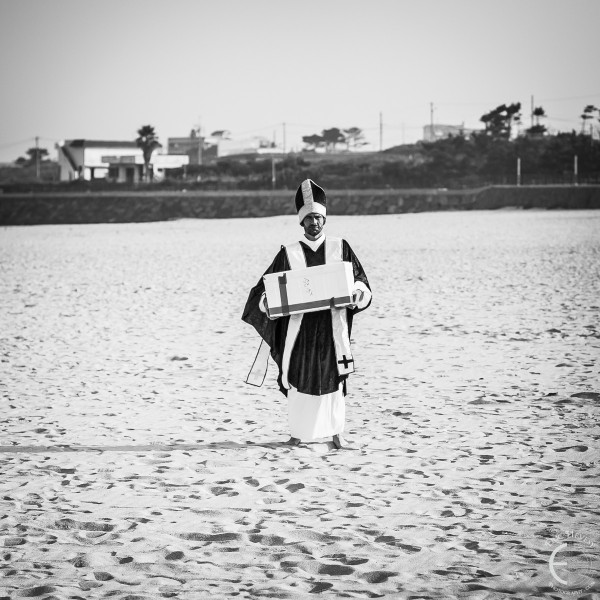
(311, 207)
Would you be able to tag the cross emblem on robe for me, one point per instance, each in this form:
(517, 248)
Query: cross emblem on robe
(345, 361)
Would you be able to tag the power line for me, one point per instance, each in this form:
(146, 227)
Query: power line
(570, 98)
(257, 129)
(490, 102)
(28, 141)
(11, 144)
(564, 119)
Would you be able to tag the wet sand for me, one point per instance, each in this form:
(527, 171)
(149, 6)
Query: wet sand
(135, 463)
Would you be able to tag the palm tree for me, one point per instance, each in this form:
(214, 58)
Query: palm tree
(587, 115)
(147, 140)
(538, 113)
(537, 129)
(499, 122)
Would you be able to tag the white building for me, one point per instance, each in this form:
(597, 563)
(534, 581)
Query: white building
(225, 145)
(130, 169)
(432, 133)
(114, 160)
(254, 145)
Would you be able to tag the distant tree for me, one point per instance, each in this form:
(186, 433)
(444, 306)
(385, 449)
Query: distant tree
(587, 115)
(313, 141)
(147, 140)
(332, 137)
(537, 129)
(538, 113)
(354, 137)
(500, 121)
(329, 139)
(33, 154)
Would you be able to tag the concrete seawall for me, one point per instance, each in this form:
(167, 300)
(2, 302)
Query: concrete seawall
(131, 207)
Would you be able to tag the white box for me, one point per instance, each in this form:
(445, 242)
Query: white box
(310, 289)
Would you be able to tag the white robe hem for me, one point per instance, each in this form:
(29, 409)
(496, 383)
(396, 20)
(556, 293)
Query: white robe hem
(314, 417)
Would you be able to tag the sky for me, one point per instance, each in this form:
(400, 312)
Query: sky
(281, 69)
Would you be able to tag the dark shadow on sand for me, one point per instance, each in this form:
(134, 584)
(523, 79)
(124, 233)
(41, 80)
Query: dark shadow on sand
(142, 447)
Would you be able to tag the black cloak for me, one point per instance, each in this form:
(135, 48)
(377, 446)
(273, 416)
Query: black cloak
(313, 367)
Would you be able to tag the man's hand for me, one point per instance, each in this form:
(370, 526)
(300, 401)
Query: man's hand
(266, 309)
(357, 297)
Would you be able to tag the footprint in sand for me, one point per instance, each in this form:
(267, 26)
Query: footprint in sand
(267, 540)
(83, 525)
(168, 591)
(217, 537)
(219, 490)
(80, 561)
(33, 592)
(268, 488)
(308, 535)
(316, 568)
(377, 576)
(86, 586)
(294, 487)
(344, 559)
(272, 500)
(392, 541)
(14, 541)
(587, 395)
(575, 448)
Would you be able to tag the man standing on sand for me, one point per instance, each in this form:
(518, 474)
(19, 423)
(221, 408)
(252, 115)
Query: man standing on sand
(311, 350)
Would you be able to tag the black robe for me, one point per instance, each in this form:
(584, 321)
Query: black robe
(313, 366)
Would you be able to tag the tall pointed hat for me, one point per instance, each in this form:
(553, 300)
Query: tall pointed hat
(310, 198)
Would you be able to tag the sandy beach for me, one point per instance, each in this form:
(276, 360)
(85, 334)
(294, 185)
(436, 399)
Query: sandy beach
(136, 464)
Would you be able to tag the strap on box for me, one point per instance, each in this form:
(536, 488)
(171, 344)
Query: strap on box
(282, 279)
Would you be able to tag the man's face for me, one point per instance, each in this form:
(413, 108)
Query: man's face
(313, 224)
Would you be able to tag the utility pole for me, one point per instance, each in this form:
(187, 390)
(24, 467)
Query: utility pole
(532, 111)
(432, 139)
(37, 157)
(518, 171)
(200, 145)
(200, 140)
(380, 132)
(273, 176)
(284, 138)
